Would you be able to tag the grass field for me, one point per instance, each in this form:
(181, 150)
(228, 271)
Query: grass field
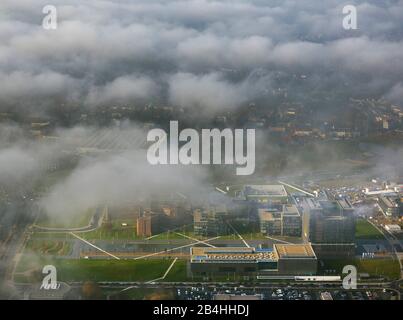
(178, 272)
(29, 269)
(114, 232)
(39, 235)
(249, 231)
(365, 230)
(171, 235)
(374, 267)
(48, 247)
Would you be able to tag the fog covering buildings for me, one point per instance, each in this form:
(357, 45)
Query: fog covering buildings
(257, 63)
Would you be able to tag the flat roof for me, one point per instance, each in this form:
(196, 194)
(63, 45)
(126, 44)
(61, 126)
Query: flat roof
(268, 216)
(345, 204)
(329, 204)
(219, 208)
(391, 202)
(286, 210)
(294, 251)
(276, 190)
(290, 209)
(205, 250)
(254, 255)
(393, 227)
(313, 204)
(229, 254)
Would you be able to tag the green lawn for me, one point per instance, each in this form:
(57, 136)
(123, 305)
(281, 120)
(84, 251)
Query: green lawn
(114, 232)
(172, 235)
(117, 231)
(365, 230)
(48, 247)
(246, 236)
(29, 269)
(178, 272)
(374, 267)
(38, 235)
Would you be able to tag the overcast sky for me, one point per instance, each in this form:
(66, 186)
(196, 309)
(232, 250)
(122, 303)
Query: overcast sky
(126, 51)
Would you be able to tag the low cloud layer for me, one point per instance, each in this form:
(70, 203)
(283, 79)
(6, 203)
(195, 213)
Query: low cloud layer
(116, 180)
(98, 178)
(194, 52)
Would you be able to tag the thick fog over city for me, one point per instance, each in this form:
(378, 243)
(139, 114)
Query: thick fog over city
(211, 55)
(168, 134)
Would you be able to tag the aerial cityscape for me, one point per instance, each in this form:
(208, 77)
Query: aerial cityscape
(201, 150)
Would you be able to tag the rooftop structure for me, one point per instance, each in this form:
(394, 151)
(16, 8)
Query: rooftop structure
(326, 296)
(264, 193)
(312, 204)
(289, 251)
(393, 228)
(329, 226)
(233, 254)
(380, 192)
(282, 220)
(345, 204)
(210, 221)
(284, 259)
(265, 190)
(391, 205)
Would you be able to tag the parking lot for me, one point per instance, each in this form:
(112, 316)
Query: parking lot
(204, 293)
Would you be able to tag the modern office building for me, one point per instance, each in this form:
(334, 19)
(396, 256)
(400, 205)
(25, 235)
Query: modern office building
(210, 221)
(296, 259)
(270, 221)
(292, 221)
(393, 228)
(280, 220)
(392, 206)
(328, 221)
(283, 259)
(329, 226)
(334, 250)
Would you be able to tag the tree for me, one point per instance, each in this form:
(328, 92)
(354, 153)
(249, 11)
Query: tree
(91, 291)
